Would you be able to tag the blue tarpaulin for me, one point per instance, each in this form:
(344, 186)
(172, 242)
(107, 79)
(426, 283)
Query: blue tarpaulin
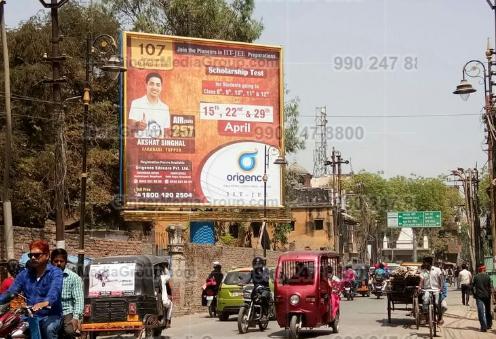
(202, 232)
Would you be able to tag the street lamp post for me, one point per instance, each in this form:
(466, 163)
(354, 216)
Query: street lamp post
(281, 160)
(114, 65)
(477, 69)
(464, 89)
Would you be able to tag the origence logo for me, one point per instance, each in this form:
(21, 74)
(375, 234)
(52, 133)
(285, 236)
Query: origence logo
(247, 161)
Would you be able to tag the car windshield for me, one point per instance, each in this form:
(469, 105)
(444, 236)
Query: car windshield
(297, 273)
(236, 278)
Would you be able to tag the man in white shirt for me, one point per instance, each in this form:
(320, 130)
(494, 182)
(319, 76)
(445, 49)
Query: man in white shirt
(149, 117)
(166, 294)
(465, 280)
(432, 277)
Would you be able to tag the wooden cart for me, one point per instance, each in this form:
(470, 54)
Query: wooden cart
(402, 295)
(402, 300)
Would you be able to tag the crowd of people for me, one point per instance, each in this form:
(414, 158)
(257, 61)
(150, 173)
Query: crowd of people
(55, 292)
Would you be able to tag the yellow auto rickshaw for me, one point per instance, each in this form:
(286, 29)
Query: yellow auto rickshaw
(124, 295)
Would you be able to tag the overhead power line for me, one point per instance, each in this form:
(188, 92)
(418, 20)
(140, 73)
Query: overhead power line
(399, 115)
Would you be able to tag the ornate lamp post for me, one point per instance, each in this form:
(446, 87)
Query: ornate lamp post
(477, 69)
(105, 47)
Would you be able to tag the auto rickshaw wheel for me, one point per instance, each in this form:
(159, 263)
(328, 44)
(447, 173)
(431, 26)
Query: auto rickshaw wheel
(335, 323)
(92, 335)
(150, 333)
(243, 321)
(294, 327)
(272, 312)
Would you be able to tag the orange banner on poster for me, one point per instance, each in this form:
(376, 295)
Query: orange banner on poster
(200, 120)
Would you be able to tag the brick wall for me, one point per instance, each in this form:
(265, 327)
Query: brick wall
(94, 247)
(198, 264)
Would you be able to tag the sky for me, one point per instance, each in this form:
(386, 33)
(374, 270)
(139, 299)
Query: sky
(368, 62)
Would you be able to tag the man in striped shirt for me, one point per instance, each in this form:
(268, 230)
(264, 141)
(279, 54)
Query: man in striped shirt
(72, 294)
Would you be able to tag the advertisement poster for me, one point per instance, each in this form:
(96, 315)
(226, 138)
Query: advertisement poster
(200, 120)
(111, 279)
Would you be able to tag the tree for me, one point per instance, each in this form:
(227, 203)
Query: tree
(374, 196)
(280, 234)
(211, 19)
(292, 139)
(33, 142)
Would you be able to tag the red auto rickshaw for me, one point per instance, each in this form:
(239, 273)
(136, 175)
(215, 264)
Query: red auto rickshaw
(307, 291)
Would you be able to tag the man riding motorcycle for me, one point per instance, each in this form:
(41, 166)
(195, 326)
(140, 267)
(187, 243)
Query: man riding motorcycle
(212, 283)
(349, 277)
(217, 275)
(260, 279)
(380, 273)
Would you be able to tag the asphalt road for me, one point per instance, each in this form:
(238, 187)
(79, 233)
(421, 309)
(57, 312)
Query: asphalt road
(362, 318)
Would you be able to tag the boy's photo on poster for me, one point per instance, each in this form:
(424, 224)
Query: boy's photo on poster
(149, 116)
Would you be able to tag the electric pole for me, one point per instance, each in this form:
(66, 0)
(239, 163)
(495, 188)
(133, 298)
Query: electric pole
(56, 59)
(336, 162)
(7, 206)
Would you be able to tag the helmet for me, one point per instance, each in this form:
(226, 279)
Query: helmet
(257, 262)
(217, 265)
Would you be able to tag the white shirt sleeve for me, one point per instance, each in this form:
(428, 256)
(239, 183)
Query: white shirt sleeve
(134, 112)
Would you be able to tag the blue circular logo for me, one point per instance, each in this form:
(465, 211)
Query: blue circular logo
(247, 161)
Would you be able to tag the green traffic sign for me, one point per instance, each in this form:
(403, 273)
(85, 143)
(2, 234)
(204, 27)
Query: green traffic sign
(414, 219)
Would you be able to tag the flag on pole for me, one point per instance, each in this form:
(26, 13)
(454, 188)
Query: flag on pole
(264, 237)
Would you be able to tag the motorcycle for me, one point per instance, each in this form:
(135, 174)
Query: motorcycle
(378, 287)
(210, 295)
(348, 292)
(212, 305)
(28, 329)
(250, 314)
(9, 320)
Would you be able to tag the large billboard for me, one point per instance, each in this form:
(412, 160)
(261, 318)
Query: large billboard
(199, 118)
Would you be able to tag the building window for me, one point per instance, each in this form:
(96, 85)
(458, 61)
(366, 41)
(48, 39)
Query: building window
(234, 230)
(292, 225)
(256, 226)
(318, 224)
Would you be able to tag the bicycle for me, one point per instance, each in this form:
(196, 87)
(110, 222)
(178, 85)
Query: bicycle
(432, 311)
